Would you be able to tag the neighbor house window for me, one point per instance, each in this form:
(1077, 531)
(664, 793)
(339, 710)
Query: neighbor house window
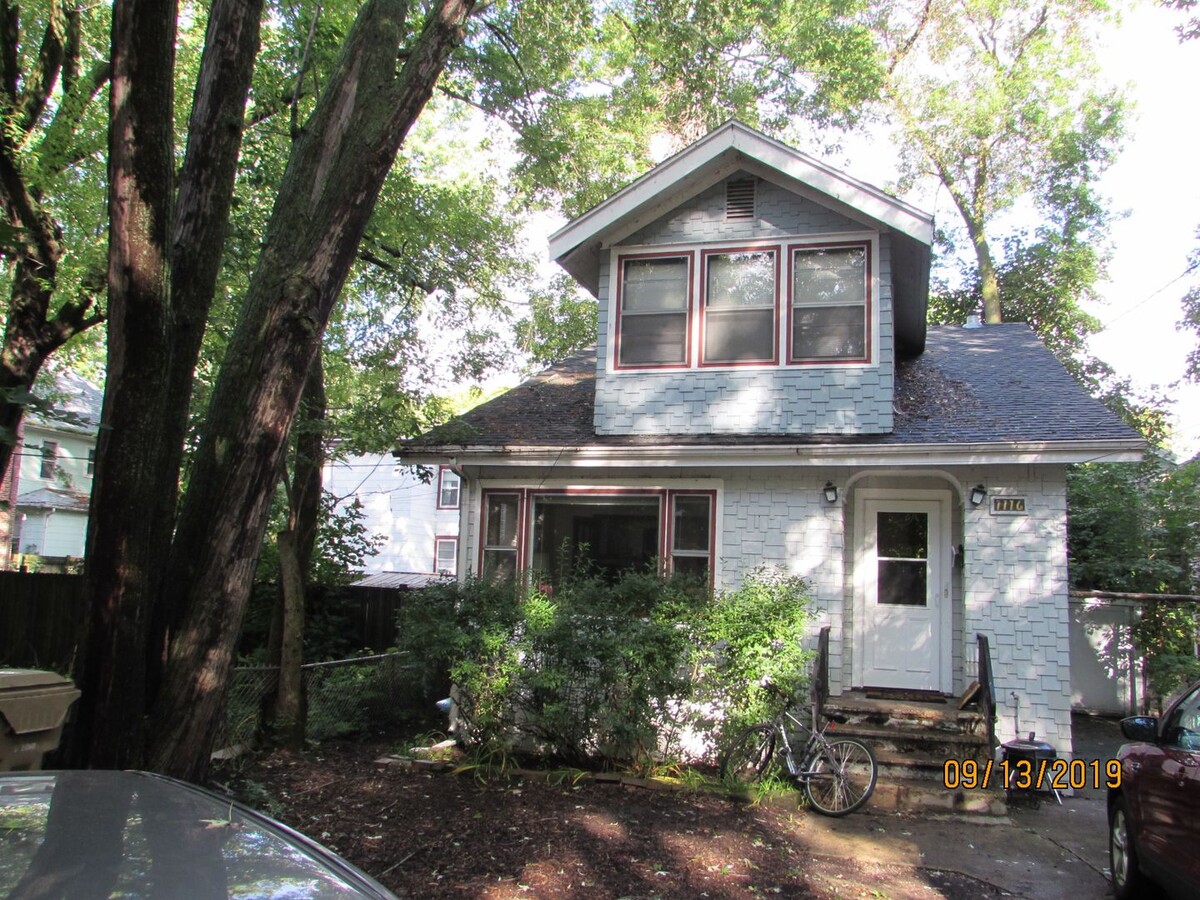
(448, 489)
(446, 556)
(829, 304)
(739, 306)
(49, 459)
(501, 515)
(91, 462)
(654, 299)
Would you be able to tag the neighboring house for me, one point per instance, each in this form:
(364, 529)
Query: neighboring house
(764, 390)
(50, 481)
(417, 518)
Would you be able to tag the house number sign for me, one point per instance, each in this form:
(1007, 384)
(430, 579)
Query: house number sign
(1008, 506)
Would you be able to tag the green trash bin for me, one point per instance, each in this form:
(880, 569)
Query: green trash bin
(33, 707)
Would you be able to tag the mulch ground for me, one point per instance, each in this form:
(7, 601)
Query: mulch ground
(438, 835)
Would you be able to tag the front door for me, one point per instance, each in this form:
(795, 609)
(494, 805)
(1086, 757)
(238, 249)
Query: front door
(902, 591)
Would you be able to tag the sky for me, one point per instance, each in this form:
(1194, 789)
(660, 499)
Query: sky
(1155, 182)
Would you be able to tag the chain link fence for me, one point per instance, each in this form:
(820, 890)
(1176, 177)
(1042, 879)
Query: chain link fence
(342, 698)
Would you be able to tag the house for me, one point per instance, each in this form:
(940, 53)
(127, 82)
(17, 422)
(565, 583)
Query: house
(415, 517)
(764, 390)
(49, 483)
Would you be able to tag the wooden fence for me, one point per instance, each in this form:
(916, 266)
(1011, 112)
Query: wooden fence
(41, 617)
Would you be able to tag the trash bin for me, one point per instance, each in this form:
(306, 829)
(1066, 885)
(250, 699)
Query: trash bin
(33, 707)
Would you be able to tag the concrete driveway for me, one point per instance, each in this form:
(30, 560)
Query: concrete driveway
(1053, 851)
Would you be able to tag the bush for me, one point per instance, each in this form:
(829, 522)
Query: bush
(591, 671)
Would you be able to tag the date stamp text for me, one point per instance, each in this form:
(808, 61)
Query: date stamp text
(1027, 775)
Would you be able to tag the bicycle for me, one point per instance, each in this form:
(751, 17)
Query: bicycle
(838, 775)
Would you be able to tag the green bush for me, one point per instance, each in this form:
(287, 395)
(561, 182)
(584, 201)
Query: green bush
(594, 671)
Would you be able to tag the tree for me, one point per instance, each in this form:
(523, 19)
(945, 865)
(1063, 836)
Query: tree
(999, 102)
(161, 637)
(49, 147)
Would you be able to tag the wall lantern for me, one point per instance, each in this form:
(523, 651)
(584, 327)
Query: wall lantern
(831, 492)
(978, 494)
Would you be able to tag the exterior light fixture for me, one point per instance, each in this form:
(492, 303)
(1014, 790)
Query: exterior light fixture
(831, 492)
(978, 494)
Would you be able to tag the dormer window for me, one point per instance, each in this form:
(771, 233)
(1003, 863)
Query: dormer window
(739, 306)
(654, 304)
(829, 303)
(759, 304)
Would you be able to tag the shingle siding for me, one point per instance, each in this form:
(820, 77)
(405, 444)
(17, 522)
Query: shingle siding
(833, 399)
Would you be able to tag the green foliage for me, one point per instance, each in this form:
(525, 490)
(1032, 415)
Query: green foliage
(593, 671)
(1137, 529)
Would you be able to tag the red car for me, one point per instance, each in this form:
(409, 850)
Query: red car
(1154, 816)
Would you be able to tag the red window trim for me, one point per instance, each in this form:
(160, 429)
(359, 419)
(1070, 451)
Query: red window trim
(442, 470)
(690, 256)
(666, 538)
(774, 250)
(868, 305)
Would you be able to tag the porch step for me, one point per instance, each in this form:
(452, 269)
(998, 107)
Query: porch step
(906, 795)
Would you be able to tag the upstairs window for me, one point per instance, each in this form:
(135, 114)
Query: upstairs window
(739, 306)
(829, 304)
(448, 489)
(655, 296)
(49, 459)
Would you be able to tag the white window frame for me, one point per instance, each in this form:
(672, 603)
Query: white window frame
(443, 487)
(438, 544)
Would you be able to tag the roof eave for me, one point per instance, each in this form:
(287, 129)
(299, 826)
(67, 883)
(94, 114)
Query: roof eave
(759, 455)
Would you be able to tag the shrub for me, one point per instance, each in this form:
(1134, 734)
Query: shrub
(591, 671)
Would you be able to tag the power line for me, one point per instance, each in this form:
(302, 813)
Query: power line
(1143, 302)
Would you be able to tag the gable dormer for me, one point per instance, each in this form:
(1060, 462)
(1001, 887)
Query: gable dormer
(746, 288)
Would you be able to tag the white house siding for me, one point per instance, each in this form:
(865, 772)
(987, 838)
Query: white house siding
(826, 399)
(54, 532)
(1015, 593)
(398, 506)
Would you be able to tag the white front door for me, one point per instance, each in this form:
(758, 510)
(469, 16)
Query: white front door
(902, 590)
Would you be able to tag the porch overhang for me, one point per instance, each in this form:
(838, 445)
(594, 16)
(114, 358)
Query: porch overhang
(774, 455)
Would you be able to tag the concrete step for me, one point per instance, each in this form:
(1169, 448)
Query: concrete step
(907, 795)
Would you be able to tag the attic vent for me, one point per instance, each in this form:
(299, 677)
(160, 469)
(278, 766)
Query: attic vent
(739, 199)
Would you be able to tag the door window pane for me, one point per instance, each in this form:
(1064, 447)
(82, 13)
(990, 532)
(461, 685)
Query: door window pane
(902, 550)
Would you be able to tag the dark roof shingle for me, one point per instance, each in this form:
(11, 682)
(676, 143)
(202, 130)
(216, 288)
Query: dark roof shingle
(997, 384)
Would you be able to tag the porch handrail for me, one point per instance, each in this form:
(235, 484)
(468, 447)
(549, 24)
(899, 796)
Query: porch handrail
(820, 685)
(987, 697)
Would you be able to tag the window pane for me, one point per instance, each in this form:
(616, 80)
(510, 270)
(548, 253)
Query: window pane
(695, 566)
(829, 276)
(691, 531)
(901, 535)
(657, 339)
(501, 520)
(740, 279)
(612, 533)
(735, 335)
(902, 583)
(654, 285)
(447, 556)
(449, 492)
(835, 332)
(499, 565)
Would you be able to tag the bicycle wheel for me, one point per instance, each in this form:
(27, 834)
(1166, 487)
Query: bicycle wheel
(843, 778)
(749, 755)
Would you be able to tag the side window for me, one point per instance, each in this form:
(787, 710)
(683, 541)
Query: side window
(448, 489)
(655, 297)
(691, 535)
(1183, 727)
(500, 535)
(446, 556)
(49, 459)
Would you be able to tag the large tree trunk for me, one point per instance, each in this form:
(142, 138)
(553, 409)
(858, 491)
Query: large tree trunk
(151, 348)
(333, 178)
(128, 549)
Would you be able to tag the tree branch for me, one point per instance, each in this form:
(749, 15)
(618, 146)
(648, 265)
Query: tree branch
(10, 60)
(41, 80)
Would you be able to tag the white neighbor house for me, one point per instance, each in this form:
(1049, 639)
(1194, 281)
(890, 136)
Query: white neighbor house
(52, 475)
(764, 389)
(418, 520)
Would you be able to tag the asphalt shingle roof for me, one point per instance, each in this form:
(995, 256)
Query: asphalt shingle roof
(997, 384)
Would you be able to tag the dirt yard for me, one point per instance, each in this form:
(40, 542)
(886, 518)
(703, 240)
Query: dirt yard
(437, 835)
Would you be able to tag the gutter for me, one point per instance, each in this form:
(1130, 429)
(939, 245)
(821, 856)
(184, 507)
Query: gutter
(759, 455)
